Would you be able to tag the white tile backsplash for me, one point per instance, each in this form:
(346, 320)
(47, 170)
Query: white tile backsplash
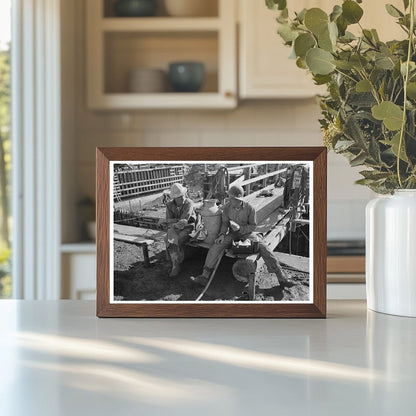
(257, 123)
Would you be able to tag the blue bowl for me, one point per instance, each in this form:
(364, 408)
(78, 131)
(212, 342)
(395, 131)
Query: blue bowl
(135, 8)
(186, 76)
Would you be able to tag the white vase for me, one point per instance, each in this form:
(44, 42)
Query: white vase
(391, 253)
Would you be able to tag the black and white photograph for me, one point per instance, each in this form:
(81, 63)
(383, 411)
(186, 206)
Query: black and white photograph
(211, 231)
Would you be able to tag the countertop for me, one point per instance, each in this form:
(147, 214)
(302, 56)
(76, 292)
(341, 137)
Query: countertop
(57, 358)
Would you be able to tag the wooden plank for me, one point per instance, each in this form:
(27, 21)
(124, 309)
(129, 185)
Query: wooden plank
(267, 224)
(265, 176)
(137, 231)
(238, 181)
(132, 240)
(295, 262)
(265, 206)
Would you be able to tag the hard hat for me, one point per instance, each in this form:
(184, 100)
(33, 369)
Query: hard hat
(177, 190)
(236, 192)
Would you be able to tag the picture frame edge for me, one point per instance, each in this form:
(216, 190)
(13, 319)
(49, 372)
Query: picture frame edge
(105, 309)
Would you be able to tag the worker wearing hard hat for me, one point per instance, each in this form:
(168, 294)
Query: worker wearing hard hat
(239, 222)
(180, 219)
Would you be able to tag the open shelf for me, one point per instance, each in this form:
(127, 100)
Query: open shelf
(210, 9)
(126, 51)
(160, 24)
(116, 46)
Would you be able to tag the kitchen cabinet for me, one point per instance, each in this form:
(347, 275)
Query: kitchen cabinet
(118, 45)
(265, 70)
(78, 263)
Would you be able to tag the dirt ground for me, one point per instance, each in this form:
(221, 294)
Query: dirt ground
(133, 281)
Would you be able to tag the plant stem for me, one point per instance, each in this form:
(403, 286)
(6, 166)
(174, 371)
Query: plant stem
(406, 79)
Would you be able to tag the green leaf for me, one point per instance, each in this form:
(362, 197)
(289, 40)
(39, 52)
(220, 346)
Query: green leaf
(411, 90)
(336, 12)
(365, 182)
(393, 11)
(301, 15)
(406, 4)
(359, 160)
(375, 35)
(342, 25)
(343, 145)
(374, 175)
(358, 61)
(303, 43)
(276, 4)
(353, 131)
(384, 62)
(325, 42)
(287, 33)
(391, 114)
(319, 61)
(345, 65)
(321, 79)
(394, 143)
(363, 86)
(316, 20)
(301, 63)
(347, 37)
(368, 36)
(351, 11)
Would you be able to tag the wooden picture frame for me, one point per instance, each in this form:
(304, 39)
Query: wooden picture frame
(315, 157)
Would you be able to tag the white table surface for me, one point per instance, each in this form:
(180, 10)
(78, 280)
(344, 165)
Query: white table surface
(57, 358)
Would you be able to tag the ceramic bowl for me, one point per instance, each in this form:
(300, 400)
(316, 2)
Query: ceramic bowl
(186, 76)
(147, 80)
(135, 8)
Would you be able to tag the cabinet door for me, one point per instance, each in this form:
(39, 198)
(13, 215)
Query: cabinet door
(78, 276)
(266, 71)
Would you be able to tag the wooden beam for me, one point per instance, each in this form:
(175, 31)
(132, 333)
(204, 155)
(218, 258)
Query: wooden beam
(265, 206)
(261, 177)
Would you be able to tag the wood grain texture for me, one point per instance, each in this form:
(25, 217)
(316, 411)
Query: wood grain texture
(317, 309)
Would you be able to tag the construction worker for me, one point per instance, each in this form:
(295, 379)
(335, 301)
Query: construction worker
(180, 219)
(239, 223)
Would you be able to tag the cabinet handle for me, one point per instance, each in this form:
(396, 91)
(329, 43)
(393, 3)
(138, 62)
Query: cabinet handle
(229, 94)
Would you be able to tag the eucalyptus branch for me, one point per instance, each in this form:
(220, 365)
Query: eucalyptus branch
(346, 75)
(373, 88)
(406, 79)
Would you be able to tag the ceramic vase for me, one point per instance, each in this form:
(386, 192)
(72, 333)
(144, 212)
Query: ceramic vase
(391, 253)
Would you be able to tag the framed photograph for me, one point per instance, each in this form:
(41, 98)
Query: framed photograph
(211, 232)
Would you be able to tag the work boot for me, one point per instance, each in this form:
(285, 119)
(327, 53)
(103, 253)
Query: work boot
(284, 279)
(175, 270)
(176, 265)
(200, 280)
(203, 278)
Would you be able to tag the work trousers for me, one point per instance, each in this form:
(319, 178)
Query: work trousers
(181, 237)
(217, 250)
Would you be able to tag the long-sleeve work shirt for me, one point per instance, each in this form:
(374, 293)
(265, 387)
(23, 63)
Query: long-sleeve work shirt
(244, 216)
(186, 211)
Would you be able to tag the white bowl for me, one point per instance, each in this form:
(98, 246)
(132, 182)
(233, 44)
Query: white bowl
(147, 80)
